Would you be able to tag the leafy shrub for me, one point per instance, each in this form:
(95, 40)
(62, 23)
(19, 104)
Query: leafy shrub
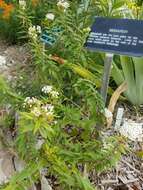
(68, 138)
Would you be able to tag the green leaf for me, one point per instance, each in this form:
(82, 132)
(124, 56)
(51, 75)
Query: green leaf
(138, 65)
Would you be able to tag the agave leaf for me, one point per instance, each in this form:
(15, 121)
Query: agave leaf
(130, 72)
(118, 4)
(117, 74)
(138, 65)
(129, 75)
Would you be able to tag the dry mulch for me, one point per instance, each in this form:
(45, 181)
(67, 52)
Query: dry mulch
(127, 175)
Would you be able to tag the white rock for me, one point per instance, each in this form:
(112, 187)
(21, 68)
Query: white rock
(3, 177)
(132, 130)
(19, 164)
(108, 113)
(2, 60)
(6, 167)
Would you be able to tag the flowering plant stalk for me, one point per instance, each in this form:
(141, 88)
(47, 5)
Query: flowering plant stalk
(60, 138)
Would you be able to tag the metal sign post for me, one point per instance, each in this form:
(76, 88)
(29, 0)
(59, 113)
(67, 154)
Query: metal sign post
(115, 36)
(106, 75)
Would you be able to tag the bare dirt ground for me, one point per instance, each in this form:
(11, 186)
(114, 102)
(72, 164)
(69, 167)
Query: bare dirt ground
(127, 175)
(12, 57)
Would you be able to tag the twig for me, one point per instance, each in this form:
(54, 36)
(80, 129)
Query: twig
(85, 173)
(112, 181)
(125, 162)
(132, 181)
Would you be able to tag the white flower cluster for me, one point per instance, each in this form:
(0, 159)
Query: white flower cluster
(33, 31)
(22, 4)
(45, 110)
(50, 16)
(36, 111)
(48, 107)
(49, 90)
(37, 108)
(63, 4)
(30, 101)
(39, 30)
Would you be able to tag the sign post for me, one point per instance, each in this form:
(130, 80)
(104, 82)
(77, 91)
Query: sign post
(115, 36)
(106, 75)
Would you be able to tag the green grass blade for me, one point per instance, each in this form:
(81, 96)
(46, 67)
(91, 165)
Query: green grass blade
(128, 72)
(138, 65)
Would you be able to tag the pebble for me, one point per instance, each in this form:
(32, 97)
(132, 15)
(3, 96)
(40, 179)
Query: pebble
(2, 60)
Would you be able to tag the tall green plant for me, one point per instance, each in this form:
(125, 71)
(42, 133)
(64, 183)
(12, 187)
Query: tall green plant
(131, 71)
(68, 134)
(111, 8)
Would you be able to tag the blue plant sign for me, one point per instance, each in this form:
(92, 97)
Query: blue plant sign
(50, 37)
(117, 36)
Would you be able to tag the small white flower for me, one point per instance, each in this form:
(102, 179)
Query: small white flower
(48, 108)
(55, 122)
(36, 111)
(63, 4)
(27, 100)
(30, 101)
(50, 16)
(39, 30)
(22, 4)
(47, 89)
(108, 113)
(49, 113)
(32, 29)
(32, 32)
(54, 94)
(24, 105)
